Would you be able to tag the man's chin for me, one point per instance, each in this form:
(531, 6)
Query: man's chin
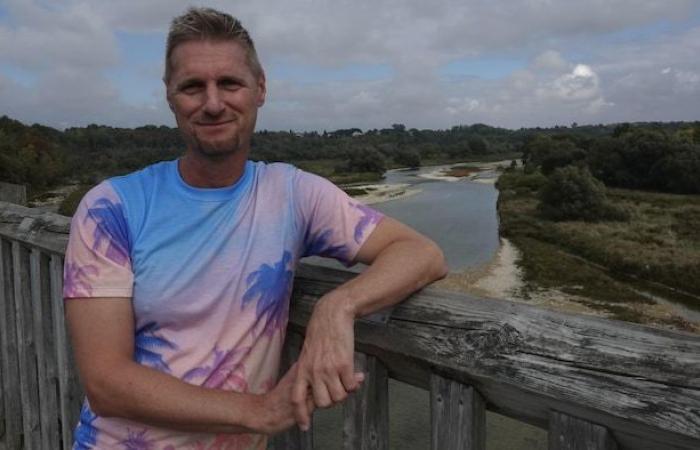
(218, 148)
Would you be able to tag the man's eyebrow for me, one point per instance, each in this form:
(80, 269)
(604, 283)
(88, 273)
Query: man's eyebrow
(188, 82)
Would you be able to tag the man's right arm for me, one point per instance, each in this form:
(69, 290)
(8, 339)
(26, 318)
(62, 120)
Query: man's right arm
(102, 334)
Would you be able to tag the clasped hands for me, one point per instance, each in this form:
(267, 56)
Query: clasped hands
(324, 373)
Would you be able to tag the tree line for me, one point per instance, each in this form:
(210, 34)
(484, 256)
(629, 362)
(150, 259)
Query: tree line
(42, 157)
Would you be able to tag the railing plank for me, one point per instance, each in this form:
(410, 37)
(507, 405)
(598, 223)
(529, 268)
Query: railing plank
(46, 360)
(366, 412)
(8, 351)
(458, 416)
(570, 433)
(294, 438)
(64, 402)
(25, 346)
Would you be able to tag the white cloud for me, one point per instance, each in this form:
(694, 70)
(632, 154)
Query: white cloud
(71, 45)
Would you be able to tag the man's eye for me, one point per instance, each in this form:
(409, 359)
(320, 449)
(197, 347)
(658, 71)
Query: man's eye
(191, 88)
(230, 84)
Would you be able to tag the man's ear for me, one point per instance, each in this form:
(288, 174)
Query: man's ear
(262, 89)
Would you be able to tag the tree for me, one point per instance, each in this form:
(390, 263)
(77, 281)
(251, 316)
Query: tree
(572, 193)
(407, 158)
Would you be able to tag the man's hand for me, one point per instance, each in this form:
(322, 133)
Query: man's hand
(325, 365)
(276, 411)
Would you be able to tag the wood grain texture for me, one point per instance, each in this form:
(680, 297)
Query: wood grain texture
(44, 230)
(642, 382)
(46, 360)
(294, 438)
(28, 382)
(66, 415)
(8, 351)
(458, 416)
(366, 412)
(569, 433)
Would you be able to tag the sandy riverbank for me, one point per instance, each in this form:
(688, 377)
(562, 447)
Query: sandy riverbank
(501, 278)
(377, 193)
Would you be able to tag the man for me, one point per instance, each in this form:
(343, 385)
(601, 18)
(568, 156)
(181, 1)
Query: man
(178, 277)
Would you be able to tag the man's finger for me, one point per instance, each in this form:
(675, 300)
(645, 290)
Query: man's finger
(300, 401)
(322, 398)
(350, 380)
(336, 390)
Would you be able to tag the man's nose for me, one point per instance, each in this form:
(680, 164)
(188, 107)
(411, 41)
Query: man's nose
(214, 104)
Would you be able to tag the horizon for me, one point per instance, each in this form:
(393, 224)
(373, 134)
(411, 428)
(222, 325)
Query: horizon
(365, 65)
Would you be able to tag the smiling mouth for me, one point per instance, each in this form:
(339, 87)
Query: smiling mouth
(215, 124)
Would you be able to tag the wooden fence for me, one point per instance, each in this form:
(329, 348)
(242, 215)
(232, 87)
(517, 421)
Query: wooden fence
(592, 383)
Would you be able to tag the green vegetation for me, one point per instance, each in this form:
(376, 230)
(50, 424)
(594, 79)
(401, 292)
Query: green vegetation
(572, 193)
(658, 243)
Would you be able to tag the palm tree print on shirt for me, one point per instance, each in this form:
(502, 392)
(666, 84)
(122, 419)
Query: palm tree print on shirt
(225, 372)
(321, 246)
(137, 441)
(270, 285)
(369, 217)
(74, 284)
(110, 228)
(146, 342)
(85, 433)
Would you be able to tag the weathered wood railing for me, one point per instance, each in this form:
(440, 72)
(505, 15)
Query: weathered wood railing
(593, 383)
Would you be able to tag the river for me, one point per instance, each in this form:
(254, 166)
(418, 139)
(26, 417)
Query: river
(459, 215)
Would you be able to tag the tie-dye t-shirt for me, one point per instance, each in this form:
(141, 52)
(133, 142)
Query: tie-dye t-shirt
(210, 274)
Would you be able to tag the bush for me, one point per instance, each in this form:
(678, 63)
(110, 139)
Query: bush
(572, 193)
(71, 202)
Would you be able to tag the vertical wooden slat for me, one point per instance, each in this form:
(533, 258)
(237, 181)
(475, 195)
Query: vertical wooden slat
(3, 429)
(571, 433)
(43, 332)
(64, 403)
(366, 412)
(294, 438)
(8, 351)
(458, 416)
(25, 346)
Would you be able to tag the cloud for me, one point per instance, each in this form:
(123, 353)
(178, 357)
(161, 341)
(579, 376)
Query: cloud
(578, 61)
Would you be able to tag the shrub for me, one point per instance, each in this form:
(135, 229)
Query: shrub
(572, 193)
(72, 200)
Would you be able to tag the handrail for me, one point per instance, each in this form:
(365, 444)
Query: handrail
(593, 383)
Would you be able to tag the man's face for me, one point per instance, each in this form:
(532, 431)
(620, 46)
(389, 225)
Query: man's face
(215, 96)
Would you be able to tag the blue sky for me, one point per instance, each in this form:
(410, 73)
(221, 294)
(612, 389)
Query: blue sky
(368, 64)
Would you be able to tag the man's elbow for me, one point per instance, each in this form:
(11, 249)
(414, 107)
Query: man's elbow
(100, 391)
(436, 264)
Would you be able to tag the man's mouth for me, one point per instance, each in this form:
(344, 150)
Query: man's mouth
(213, 124)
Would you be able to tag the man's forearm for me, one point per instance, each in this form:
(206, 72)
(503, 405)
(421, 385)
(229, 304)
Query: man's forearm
(398, 271)
(142, 394)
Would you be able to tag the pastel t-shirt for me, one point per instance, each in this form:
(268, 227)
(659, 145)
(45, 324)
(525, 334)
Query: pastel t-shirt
(210, 275)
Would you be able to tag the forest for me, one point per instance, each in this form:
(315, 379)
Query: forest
(658, 156)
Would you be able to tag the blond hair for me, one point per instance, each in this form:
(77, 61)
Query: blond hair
(209, 24)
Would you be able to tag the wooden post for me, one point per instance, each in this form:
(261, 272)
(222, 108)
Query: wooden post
(26, 349)
(8, 352)
(366, 412)
(64, 403)
(458, 416)
(46, 359)
(294, 438)
(570, 433)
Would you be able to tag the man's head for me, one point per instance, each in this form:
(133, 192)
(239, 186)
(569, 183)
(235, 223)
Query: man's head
(200, 24)
(214, 82)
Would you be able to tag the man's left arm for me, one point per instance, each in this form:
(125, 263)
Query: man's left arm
(401, 261)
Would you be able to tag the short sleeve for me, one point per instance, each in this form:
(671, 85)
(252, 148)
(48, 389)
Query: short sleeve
(334, 224)
(98, 262)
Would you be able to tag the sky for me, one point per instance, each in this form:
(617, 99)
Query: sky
(368, 63)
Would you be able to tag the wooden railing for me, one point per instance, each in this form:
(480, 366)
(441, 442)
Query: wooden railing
(592, 383)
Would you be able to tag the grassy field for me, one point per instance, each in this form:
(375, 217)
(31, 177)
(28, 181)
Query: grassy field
(608, 264)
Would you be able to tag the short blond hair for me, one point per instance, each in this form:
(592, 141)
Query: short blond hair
(198, 24)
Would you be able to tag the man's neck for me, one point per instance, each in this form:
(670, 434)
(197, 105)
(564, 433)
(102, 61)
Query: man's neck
(204, 172)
